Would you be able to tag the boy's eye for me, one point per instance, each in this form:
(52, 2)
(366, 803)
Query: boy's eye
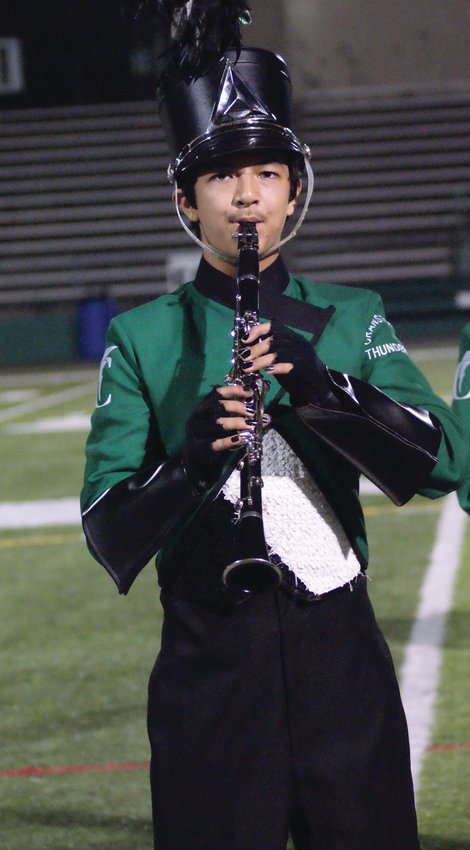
(221, 175)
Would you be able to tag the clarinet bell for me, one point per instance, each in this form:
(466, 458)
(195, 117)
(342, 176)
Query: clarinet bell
(251, 576)
(251, 572)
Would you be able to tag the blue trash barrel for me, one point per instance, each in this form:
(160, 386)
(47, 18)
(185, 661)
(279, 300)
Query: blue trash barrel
(94, 315)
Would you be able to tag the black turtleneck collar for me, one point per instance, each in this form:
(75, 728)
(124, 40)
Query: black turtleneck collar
(221, 288)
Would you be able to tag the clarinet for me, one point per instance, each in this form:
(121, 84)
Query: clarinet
(252, 571)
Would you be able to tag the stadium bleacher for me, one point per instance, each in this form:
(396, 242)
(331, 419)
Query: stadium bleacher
(86, 209)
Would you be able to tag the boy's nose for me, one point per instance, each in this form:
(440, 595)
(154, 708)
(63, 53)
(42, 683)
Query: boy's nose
(245, 192)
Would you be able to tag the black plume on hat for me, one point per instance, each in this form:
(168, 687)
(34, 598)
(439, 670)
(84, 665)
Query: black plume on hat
(215, 97)
(192, 35)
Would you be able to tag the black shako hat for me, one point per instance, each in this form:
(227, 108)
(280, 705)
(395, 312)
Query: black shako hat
(241, 103)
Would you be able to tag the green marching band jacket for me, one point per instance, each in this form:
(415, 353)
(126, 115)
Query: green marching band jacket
(461, 404)
(380, 417)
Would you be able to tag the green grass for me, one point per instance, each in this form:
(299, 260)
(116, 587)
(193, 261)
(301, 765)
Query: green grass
(83, 812)
(75, 657)
(30, 461)
(438, 364)
(75, 664)
(445, 796)
(398, 559)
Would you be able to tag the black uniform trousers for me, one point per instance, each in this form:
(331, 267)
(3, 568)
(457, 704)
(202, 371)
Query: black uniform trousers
(274, 716)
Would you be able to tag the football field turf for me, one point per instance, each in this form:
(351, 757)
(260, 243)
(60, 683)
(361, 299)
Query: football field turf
(76, 656)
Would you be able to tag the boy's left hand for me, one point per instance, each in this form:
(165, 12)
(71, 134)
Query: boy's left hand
(291, 358)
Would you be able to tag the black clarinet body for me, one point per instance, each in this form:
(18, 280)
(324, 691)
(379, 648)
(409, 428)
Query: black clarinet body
(251, 571)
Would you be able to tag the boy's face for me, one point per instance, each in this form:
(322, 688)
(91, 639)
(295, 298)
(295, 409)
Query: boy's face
(236, 192)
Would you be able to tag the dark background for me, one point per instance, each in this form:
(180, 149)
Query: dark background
(79, 51)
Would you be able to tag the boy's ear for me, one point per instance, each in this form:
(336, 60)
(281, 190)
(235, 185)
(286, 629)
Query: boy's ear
(292, 203)
(189, 211)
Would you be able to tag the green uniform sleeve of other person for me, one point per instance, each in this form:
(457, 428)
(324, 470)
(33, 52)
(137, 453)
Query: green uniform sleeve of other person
(461, 405)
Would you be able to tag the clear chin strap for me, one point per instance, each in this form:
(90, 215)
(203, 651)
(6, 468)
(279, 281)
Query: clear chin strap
(233, 260)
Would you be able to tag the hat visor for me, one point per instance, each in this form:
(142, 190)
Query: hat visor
(234, 138)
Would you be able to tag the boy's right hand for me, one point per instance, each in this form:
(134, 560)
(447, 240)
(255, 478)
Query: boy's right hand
(214, 427)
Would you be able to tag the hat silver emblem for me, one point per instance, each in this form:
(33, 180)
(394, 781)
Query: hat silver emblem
(236, 101)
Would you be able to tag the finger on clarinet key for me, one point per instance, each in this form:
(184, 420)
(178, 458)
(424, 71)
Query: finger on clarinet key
(256, 332)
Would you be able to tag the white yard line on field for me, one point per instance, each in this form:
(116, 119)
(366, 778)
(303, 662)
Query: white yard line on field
(44, 512)
(53, 424)
(45, 401)
(34, 379)
(421, 666)
(40, 512)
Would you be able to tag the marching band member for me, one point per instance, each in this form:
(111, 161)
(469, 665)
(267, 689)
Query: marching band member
(271, 710)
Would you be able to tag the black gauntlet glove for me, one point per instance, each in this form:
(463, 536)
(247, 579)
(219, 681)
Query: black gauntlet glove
(201, 463)
(308, 381)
